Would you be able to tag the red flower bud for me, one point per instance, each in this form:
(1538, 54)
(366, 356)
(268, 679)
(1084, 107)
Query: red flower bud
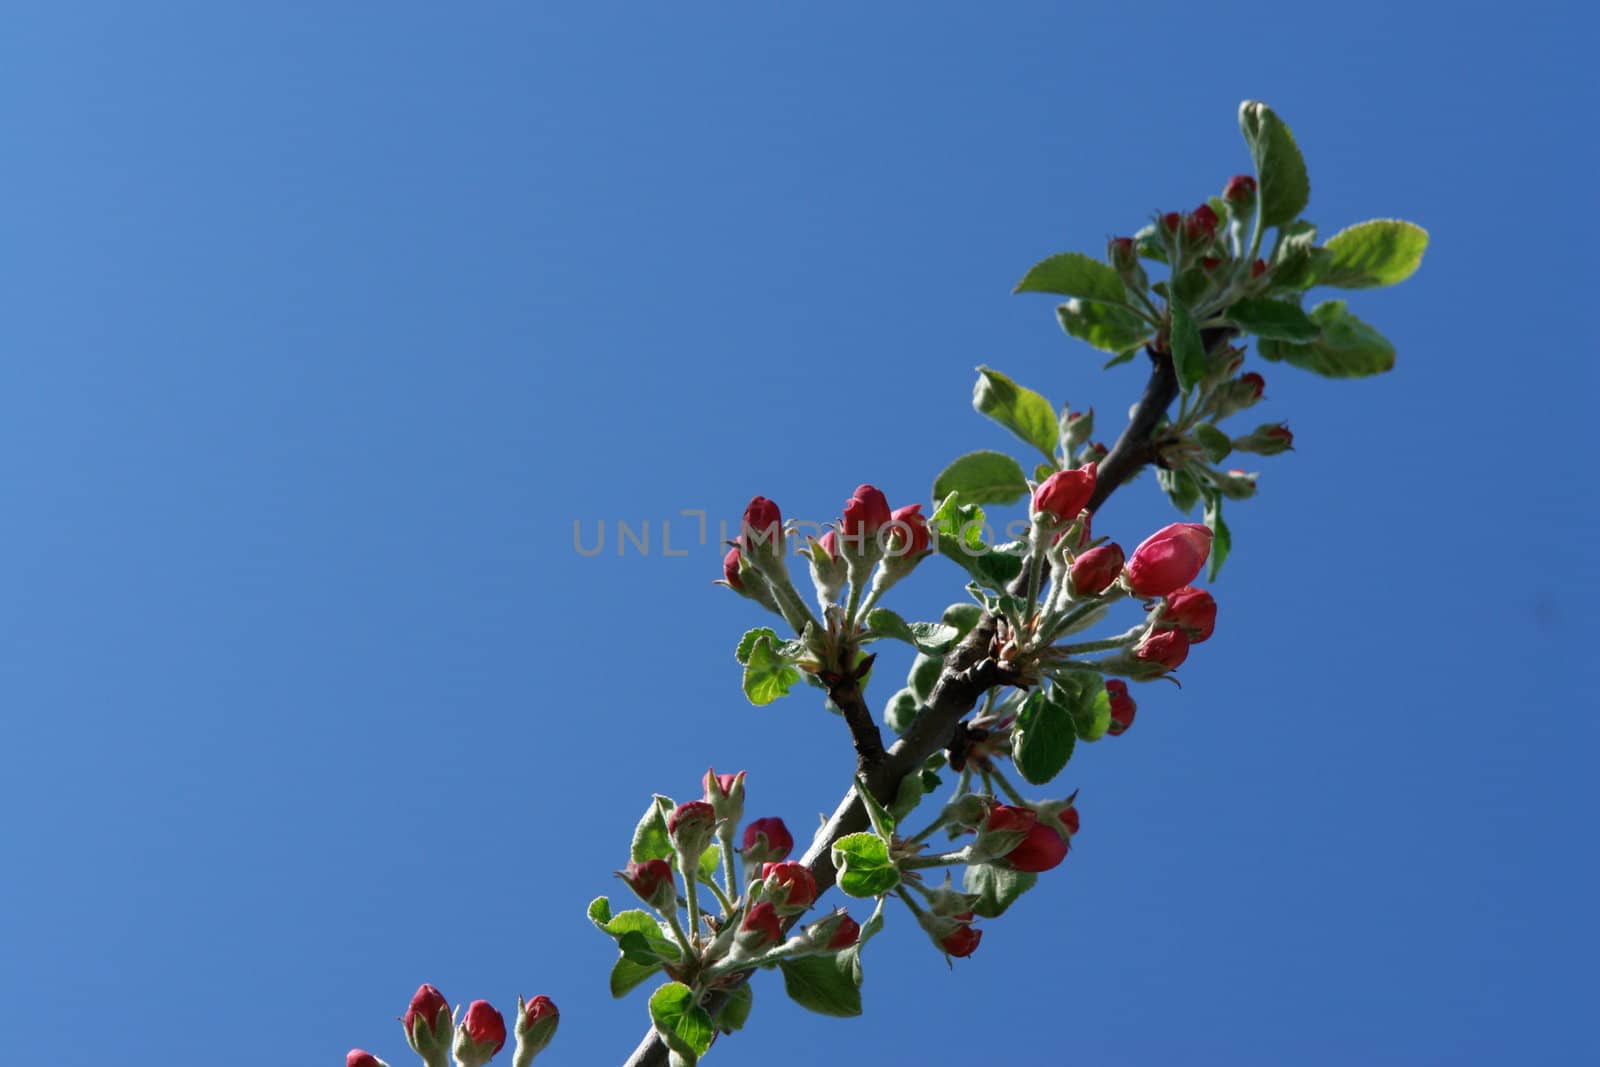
(725, 794)
(539, 1009)
(1069, 816)
(426, 1004)
(767, 839)
(1005, 818)
(1095, 570)
(830, 544)
(1168, 559)
(536, 1027)
(1281, 433)
(1122, 253)
(1256, 383)
(1041, 850)
(962, 941)
(1065, 493)
(689, 813)
(690, 826)
(1201, 225)
(1192, 611)
(847, 933)
(789, 886)
(1241, 189)
(909, 537)
(1171, 221)
(1169, 648)
(1258, 268)
(730, 569)
(1122, 706)
(761, 928)
(358, 1057)
(762, 532)
(652, 881)
(865, 513)
(1209, 263)
(485, 1026)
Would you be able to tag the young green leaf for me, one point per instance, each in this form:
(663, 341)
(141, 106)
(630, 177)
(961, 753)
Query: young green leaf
(1017, 408)
(864, 867)
(748, 642)
(650, 840)
(1277, 319)
(1084, 694)
(934, 638)
(626, 975)
(1108, 327)
(984, 477)
(996, 888)
(1043, 738)
(767, 676)
(1372, 254)
(828, 985)
(1281, 171)
(1074, 274)
(1188, 351)
(734, 1010)
(1217, 444)
(1347, 347)
(1221, 538)
(682, 1023)
(960, 535)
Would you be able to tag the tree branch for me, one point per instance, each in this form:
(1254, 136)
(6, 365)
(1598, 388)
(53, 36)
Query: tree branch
(968, 674)
(845, 692)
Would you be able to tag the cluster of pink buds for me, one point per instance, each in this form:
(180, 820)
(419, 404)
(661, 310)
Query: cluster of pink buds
(434, 1035)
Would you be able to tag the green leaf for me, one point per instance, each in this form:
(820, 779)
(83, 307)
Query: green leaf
(1085, 697)
(1017, 408)
(959, 531)
(962, 616)
(646, 941)
(767, 676)
(995, 887)
(1372, 254)
(735, 1008)
(862, 861)
(883, 823)
(747, 643)
(682, 1023)
(1280, 170)
(1347, 348)
(901, 710)
(1217, 444)
(934, 638)
(627, 975)
(1277, 319)
(1108, 327)
(827, 985)
(1188, 351)
(982, 478)
(1180, 487)
(1074, 274)
(650, 840)
(1043, 738)
(1221, 538)
(709, 860)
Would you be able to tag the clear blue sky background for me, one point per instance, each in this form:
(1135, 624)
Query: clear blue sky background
(324, 322)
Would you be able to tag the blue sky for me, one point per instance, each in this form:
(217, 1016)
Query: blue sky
(325, 323)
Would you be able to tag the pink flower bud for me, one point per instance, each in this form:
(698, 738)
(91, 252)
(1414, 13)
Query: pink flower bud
(725, 794)
(962, 941)
(1122, 706)
(1169, 648)
(865, 513)
(730, 569)
(1241, 189)
(1171, 221)
(652, 881)
(830, 544)
(762, 532)
(1201, 225)
(1065, 493)
(909, 537)
(1192, 611)
(691, 826)
(358, 1057)
(1258, 268)
(1095, 570)
(1209, 263)
(484, 1026)
(766, 840)
(425, 1009)
(1257, 383)
(847, 933)
(1042, 849)
(789, 886)
(1122, 253)
(1009, 818)
(537, 1020)
(761, 928)
(1168, 559)
(690, 813)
